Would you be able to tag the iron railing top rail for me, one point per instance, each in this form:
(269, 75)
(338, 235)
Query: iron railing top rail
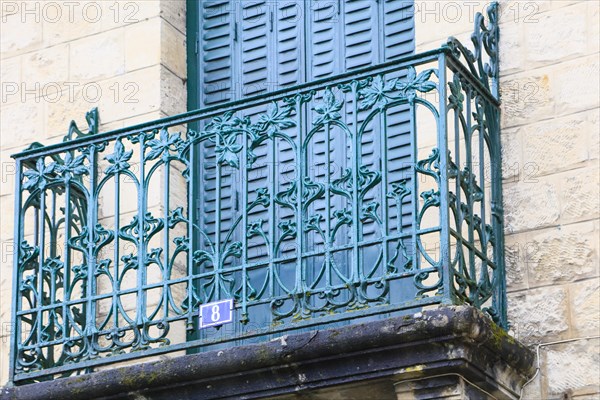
(236, 105)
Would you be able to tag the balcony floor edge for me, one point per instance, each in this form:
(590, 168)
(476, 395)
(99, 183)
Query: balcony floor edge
(410, 352)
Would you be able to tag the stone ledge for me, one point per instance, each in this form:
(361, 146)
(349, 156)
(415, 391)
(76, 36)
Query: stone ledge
(444, 340)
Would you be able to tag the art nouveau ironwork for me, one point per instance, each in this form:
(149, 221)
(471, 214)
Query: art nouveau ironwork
(114, 258)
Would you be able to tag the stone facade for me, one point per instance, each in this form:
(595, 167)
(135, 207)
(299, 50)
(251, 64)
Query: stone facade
(549, 55)
(58, 60)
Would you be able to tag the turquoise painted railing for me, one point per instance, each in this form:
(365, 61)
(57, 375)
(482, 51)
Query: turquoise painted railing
(122, 235)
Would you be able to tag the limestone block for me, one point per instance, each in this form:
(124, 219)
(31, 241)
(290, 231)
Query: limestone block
(593, 23)
(98, 56)
(19, 35)
(539, 314)
(517, 253)
(48, 69)
(526, 97)
(6, 219)
(593, 118)
(21, 123)
(531, 203)
(530, 12)
(173, 93)
(559, 255)
(138, 54)
(580, 191)
(174, 12)
(10, 78)
(571, 84)
(511, 154)
(8, 9)
(436, 20)
(173, 49)
(561, 3)
(64, 21)
(564, 40)
(130, 94)
(585, 307)
(572, 367)
(126, 12)
(7, 173)
(556, 144)
(511, 48)
(4, 356)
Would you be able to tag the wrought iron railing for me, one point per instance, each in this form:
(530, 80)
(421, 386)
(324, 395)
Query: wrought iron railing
(122, 235)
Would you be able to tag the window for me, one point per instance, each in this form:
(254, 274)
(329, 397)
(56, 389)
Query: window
(251, 48)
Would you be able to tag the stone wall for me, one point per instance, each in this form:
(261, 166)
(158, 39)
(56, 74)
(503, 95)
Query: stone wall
(59, 60)
(549, 55)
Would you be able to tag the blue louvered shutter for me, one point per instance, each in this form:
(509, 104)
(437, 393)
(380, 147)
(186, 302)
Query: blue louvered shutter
(289, 69)
(252, 47)
(217, 85)
(398, 41)
(253, 56)
(216, 47)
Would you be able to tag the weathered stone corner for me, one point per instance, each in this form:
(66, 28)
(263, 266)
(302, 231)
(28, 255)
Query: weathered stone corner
(451, 351)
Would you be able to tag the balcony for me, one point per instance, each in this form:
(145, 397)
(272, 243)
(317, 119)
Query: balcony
(372, 194)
